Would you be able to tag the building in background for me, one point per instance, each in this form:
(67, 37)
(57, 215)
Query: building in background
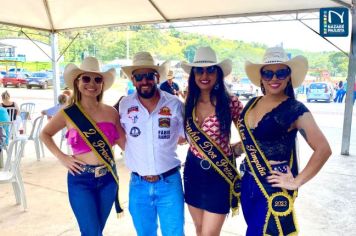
(17, 49)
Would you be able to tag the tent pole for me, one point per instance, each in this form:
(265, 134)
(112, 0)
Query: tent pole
(346, 132)
(55, 67)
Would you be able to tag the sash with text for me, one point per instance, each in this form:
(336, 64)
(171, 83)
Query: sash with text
(96, 140)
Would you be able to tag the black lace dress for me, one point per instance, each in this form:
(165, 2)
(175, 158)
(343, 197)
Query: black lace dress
(277, 143)
(272, 133)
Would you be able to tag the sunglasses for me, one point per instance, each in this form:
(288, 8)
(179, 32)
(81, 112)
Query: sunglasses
(200, 70)
(149, 76)
(281, 74)
(86, 79)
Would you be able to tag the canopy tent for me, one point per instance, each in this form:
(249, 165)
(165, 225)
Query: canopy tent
(59, 15)
(62, 15)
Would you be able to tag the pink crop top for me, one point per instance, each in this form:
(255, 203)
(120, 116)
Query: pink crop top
(78, 144)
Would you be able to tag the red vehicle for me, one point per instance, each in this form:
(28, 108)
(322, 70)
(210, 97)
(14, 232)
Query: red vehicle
(14, 79)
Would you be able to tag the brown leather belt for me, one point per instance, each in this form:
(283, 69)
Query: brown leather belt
(155, 178)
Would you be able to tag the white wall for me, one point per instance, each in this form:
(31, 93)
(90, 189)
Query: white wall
(28, 48)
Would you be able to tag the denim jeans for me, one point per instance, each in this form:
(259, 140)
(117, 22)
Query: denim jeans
(254, 205)
(91, 200)
(161, 200)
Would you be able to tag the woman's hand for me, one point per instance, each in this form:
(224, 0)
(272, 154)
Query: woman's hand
(282, 180)
(237, 149)
(182, 141)
(72, 164)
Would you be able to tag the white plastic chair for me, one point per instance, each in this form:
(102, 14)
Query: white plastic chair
(35, 136)
(26, 111)
(11, 172)
(28, 106)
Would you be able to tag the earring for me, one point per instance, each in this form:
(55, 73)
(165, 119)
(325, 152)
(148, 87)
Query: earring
(263, 88)
(216, 87)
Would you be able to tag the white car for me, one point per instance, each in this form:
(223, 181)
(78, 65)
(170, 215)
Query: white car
(244, 87)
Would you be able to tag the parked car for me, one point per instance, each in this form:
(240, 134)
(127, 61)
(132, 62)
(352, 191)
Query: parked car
(14, 79)
(244, 87)
(21, 70)
(40, 79)
(2, 73)
(320, 91)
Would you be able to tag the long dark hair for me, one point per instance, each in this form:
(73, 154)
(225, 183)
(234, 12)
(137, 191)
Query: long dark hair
(219, 93)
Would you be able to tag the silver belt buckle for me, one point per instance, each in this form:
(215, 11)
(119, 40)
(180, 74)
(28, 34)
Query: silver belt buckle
(100, 171)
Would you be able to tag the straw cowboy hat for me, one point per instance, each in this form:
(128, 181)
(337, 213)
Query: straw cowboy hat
(144, 60)
(89, 64)
(206, 56)
(170, 74)
(276, 55)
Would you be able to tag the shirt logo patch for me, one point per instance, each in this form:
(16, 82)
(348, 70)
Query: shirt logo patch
(132, 109)
(164, 122)
(164, 134)
(135, 132)
(165, 111)
(134, 118)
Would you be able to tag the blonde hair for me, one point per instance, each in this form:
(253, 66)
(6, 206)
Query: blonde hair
(5, 95)
(62, 99)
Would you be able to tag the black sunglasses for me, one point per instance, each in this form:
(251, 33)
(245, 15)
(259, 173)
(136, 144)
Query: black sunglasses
(149, 76)
(200, 70)
(281, 74)
(86, 79)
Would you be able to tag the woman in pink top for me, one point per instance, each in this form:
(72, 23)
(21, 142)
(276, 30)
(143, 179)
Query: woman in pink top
(92, 186)
(210, 175)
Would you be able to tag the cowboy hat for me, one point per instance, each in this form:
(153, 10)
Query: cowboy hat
(204, 57)
(277, 55)
(89, 64)
(144, 60)
(170, 74)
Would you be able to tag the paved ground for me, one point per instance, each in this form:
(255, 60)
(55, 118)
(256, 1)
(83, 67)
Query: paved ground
(325, 206)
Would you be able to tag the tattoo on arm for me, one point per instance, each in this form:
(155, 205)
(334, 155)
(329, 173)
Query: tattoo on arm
(303, 133)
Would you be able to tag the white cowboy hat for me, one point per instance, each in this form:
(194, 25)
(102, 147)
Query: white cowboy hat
(204, 57)
(142, 60)
(89, 64)
(276, 55)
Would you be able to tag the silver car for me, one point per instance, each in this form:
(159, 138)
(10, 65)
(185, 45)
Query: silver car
(40, 79)
(320, 91)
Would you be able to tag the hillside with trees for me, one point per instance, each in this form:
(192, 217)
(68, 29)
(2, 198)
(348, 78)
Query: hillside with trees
(108, 44)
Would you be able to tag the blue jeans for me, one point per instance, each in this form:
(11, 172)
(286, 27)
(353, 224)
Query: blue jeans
(162, 199)
(339, 95)
(254, 206)
(91, 200)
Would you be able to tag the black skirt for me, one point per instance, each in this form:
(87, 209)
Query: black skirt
(205, 188)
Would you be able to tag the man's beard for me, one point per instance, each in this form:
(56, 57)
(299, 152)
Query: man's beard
(147, 94)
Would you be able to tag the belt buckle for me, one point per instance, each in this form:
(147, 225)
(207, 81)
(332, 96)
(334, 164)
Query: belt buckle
(100, 171)
(151, 178)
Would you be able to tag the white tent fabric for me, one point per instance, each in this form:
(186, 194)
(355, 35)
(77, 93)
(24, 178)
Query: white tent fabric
(59, 15)
(62, 15)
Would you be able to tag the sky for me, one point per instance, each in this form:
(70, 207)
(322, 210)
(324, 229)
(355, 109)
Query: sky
(292, 34)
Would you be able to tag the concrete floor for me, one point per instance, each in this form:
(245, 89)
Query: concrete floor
(325, 206)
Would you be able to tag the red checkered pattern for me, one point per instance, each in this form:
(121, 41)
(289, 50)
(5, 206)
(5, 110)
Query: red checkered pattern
(211, 127)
